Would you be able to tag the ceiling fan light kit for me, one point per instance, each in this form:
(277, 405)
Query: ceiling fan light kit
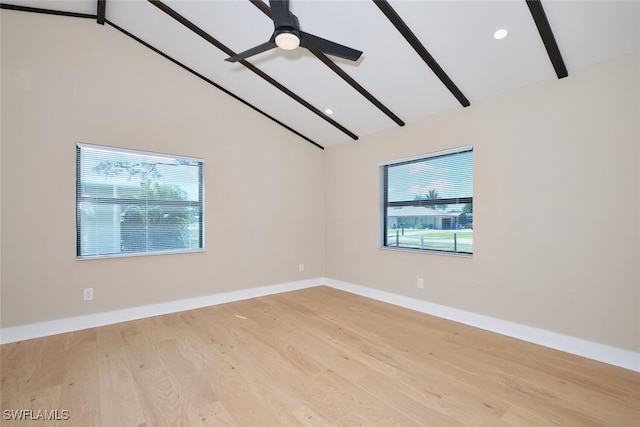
(287, 40)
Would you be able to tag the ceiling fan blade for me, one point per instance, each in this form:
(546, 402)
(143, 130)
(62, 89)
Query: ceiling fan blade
(319, 44)
(253, 51)
(280, 13)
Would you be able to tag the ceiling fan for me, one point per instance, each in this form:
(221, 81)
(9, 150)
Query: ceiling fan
(287, 35)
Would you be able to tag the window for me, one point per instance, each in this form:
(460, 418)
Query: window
(132, 202)
(427, 202)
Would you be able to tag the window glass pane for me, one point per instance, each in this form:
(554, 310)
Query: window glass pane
(428, 203)
(134, 202)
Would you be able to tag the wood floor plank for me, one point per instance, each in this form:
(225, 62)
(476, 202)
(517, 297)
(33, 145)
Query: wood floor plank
(13, 374)
(410, 402)
(119, 404)
(33, 389)
(358, 400)
(43, 360)
(41, 405)
(80, 393)
(212, 415)
(521, 417)
(307, 417)
(193, 390)
(159, 399)
(314, 357)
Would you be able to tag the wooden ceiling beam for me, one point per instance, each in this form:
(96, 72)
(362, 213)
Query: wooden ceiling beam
(549, 40)
(102, 11)
(21, 8)
(422, 51)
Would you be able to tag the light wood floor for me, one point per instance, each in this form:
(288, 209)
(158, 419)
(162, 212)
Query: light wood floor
(313, 357)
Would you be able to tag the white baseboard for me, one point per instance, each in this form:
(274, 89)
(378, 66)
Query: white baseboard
(43, 329)
(591, 350)
(603, 353)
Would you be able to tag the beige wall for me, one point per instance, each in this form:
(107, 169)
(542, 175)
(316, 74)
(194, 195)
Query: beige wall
(66, 80)
(556, 215)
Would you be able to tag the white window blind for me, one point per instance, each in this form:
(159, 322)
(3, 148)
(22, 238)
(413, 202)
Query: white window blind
(427, 202)
(133, 202)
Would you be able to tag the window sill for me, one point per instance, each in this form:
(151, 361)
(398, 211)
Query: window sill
(426, 251)
(130, 255)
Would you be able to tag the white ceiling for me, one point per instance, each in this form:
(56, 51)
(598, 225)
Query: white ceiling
(458, 34)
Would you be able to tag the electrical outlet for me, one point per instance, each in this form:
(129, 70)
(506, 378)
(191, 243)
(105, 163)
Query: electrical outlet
(420, 283)
(87, 294)
(301, 268)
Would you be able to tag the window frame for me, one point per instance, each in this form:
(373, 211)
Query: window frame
(385, 203)
(80, 199)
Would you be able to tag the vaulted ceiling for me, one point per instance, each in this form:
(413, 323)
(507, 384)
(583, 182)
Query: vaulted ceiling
(420, 57)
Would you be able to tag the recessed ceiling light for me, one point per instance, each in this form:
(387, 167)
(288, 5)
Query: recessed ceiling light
(328, 111)
(500, 34)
